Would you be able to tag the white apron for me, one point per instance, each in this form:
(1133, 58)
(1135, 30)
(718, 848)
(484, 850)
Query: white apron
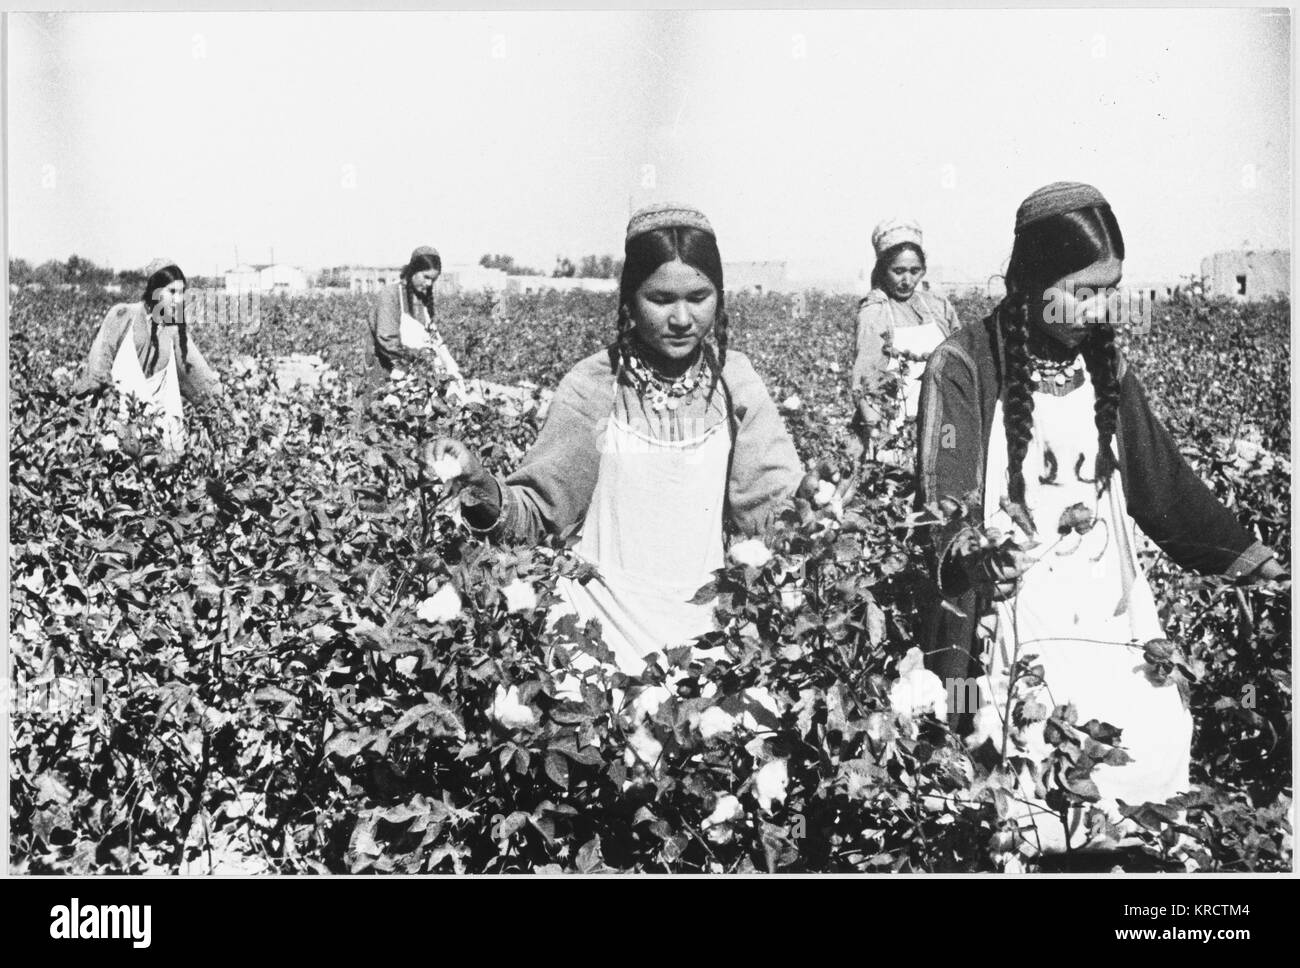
(1086, 610)
(916, 341)
(160, 392)
(414, 335)
(654, 533)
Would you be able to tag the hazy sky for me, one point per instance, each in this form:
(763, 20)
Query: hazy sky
(352, 137)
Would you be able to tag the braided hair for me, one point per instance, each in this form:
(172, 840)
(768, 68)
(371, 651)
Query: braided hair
(426, 261)
(643, 256)
(161, 279)
(1044, 252)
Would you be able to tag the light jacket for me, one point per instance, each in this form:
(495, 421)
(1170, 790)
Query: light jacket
(197, 381)
(386, 346)
(552, 489)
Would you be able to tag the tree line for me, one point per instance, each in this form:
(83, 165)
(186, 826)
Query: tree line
(588, 267)
(77, 271)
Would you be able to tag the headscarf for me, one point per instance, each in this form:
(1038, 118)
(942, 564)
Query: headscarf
(895, 231)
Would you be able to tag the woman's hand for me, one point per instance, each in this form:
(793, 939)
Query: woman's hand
(821, 486)
(999, 572)
(460, 469)
(989, 564)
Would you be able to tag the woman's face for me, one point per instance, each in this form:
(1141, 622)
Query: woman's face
(169, 302)
(1078, 302)
(903, 275)
(423, 280)
(170, 293)
(674, 311)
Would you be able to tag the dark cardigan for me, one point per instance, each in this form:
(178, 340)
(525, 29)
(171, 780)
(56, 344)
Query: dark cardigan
(961, 386)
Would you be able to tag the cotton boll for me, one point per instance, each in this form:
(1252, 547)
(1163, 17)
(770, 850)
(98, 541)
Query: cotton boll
(648, 701)
(715, 721)
(509, 711)
(519, 595)
(443, 606)
(108, 443)
(825, 492)
(770, 784)
(727, 810)
(447, 468)
(792, 403)
(642, 746)
(751, 552)
(919, 691)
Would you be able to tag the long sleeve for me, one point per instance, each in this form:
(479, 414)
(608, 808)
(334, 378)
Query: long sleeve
(765, 467)
(950, 441)
(386, 328)
(197, 379)
(870, 361)
(1169, 502)
(99, 361)
(552, 488)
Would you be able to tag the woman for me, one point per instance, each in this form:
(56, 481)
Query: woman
(652, 446)
(137, 348)
(899, 325)
(402, 321)
(1036, 418)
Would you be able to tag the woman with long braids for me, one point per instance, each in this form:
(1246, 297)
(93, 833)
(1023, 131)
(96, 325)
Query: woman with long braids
(653, 446)
(899, 325)
(1037, 424)
(402, 321)
(137, 348)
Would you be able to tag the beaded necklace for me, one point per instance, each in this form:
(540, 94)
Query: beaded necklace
(1057, 372)
(661, 392)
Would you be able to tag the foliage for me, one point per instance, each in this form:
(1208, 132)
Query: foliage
(284, 652)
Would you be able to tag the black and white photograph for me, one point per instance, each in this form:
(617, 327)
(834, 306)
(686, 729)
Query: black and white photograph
(662, 442)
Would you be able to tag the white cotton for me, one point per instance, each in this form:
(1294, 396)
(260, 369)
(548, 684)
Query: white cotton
(642, 746)
(447, 468)
(442, 606)
(716, 721)
(751, 552)
(770, 784)
(727, 810)
(509, 711)
(520, 596)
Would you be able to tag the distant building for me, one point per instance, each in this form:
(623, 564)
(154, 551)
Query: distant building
(266, 278)
(370, 279)
(1248, 274)
(756, 277)
(520, 284)
(471, 278)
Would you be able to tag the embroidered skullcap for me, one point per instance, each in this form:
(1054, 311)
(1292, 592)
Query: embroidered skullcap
(1055, 199)
(895, 231)
(158, 265)
(662, 215)
(422, 259)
